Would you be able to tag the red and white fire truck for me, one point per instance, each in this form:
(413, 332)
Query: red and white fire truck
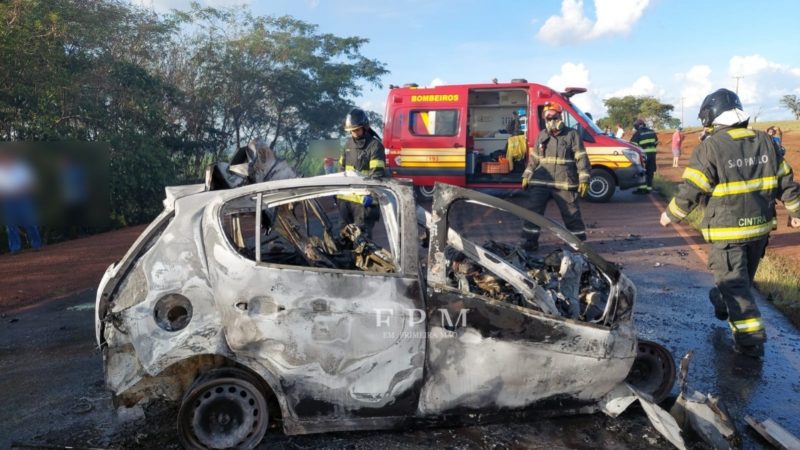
(458, 134)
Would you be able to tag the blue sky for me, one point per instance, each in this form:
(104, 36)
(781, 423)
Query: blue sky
(669, 49)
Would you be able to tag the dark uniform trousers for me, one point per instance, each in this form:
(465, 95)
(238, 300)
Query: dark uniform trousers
(567, 202)
(734, 266)
(650, 167)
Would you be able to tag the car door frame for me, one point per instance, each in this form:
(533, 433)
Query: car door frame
(487, 355)
(311, 399)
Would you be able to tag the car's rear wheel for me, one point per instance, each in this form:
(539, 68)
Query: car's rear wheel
(653, 370)
(601, 186)
(223, 409)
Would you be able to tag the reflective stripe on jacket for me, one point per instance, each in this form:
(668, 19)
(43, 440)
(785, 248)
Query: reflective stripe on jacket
(646, 139)
(559, 161)
(738, 174)
(365, 155)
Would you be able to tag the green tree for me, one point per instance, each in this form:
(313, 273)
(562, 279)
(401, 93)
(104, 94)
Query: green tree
(793, 104)
(273, 77)
(625, 110)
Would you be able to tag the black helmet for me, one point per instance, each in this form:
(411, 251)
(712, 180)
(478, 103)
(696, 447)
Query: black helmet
(717, 103)
(356, 119)
(638, 124)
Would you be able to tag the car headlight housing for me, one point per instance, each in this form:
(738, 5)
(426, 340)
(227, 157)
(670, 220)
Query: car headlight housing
(632, 157)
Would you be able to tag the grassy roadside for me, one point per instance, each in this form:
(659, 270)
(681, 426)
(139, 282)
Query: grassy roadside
(777, 278)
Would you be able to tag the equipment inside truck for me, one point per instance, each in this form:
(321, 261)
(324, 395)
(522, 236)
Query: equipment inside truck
(489, 115)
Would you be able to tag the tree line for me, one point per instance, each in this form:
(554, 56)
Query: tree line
(171, 93)
(625, 110)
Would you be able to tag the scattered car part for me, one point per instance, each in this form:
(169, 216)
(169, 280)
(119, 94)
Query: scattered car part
(703, 414)
(774, 433)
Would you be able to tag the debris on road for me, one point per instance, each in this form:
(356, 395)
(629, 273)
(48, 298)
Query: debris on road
(704, 414)
(774, 433)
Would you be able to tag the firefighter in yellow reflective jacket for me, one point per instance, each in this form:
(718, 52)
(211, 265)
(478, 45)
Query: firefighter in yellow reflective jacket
(558, 167)
(363, 153)
(738, 174)
(646, 139)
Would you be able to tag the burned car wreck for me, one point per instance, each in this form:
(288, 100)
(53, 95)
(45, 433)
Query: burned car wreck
(254, 306)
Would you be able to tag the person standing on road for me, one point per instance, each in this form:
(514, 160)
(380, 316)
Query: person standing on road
(738, 174)
(647, 140)
(17, 185)
(620, 131)
(777, 135)
(677, 142)
(363, 153)
(558, 167)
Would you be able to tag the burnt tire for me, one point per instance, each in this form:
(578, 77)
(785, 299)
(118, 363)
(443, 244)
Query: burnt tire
(602, 186)
(224, 408)
(653, 370)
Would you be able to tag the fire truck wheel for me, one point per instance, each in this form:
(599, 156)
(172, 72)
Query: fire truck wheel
(424, 192)
(601, 186)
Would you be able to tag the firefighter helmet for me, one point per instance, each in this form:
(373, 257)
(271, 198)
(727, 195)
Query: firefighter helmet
(356, 119)
(722, 102)
(552, 106)
(638, 124)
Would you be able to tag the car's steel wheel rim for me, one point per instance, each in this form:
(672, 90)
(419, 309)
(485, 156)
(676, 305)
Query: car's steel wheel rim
(653, 370)
(223, 413)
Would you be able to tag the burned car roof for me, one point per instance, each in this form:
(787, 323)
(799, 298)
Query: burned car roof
(263, 300)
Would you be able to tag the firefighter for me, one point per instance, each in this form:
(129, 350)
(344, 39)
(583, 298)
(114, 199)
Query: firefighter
(363, 153)
(558, 167)
(738, 174)
(647, 140)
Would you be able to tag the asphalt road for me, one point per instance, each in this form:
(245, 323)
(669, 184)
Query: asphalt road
(51, 379)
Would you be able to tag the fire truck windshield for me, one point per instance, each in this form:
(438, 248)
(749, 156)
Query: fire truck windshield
(587, 119)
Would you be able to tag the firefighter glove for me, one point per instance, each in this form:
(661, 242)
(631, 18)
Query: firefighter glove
(665, 220)
(524, 183)
(582, 188)
(367, 200)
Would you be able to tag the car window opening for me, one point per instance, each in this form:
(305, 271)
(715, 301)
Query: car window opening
(309, 233)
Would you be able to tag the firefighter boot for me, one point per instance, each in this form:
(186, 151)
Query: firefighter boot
(720, 310)
(749, 343)
(753, 351)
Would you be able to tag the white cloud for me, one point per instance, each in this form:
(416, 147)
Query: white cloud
(695, 85)
(576, 75)
(614, 17)
(760, 80)
(643, 86)
(436, 82)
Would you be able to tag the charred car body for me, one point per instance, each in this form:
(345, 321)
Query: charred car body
(249, 306)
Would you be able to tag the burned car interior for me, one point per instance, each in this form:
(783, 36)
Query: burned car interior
(432, 313)
(306, 230)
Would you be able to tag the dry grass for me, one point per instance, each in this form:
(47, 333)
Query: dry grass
(779, 282)
(777, 277)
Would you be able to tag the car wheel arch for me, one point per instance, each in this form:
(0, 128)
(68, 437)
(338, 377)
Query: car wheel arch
(200, 365)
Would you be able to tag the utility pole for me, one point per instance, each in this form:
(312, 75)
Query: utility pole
(682, 98)
(737, 77)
